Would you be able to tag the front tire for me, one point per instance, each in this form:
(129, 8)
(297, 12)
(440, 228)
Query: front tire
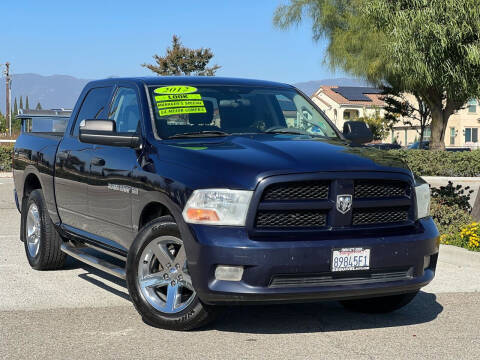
(41, 239)
(379, 305)
(159, 282)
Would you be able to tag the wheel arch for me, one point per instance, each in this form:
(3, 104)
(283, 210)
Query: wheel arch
(152, 211)
(152, 203)
(32, 182)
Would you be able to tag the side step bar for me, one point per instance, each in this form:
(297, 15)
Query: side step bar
(100, 264)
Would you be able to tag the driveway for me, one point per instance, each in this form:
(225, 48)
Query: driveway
(80, 313)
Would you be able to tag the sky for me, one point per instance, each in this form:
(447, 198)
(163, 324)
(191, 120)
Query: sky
(97, 39)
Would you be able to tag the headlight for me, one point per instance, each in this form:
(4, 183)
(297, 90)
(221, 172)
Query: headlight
(218, 207)
(422, 193)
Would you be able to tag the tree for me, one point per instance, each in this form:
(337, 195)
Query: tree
(21, 103)
(27, 106)
(3, 125)
(414, 114)
(180, 60)
(430, 48)
(39, 106)
(379, 126)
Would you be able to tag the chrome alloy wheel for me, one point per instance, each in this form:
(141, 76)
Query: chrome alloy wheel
(33, 230)
(163, 276)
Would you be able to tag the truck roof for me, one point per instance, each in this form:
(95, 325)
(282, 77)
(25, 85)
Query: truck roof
(194, 80)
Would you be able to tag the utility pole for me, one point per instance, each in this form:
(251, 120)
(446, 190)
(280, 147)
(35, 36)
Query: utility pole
(9, 97)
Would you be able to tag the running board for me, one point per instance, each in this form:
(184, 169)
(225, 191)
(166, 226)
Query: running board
(100, 264)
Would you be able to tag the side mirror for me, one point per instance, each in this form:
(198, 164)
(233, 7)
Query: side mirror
(103, 132)
(357, 132)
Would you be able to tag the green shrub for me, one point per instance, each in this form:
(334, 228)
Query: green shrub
(450, 209)
(6, 157)
(441, 163)
(453, 195)
(449, 218)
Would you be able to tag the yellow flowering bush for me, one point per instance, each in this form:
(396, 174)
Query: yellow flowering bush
(470, 236)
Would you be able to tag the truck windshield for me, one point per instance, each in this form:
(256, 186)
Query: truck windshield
(187, 111)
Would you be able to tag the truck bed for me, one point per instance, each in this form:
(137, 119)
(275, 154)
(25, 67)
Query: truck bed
(36, 152)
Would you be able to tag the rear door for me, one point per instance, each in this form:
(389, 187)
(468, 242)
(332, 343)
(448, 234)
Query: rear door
(73, 162)
(111, 188)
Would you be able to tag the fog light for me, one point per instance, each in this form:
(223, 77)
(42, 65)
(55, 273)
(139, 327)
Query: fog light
(426, 262)
(229, 273)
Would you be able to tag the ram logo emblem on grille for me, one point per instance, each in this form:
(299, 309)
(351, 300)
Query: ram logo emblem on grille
(344, 203)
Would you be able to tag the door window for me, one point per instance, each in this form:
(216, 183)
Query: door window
(94, 105)
(125, 111)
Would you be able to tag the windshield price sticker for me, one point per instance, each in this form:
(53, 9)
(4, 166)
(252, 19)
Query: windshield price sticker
(179, 89)
(186, 110)
(170, 104)
(178, 100)
(178, 97)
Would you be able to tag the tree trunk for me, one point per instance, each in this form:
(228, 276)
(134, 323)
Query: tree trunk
(476, 208)
(438, 126)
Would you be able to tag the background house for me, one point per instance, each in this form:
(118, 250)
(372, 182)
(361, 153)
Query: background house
(343, 103)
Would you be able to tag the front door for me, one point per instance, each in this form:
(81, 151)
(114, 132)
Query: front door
(110, 189)
(72, 168)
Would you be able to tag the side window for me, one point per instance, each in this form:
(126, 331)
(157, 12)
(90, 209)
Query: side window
(125, 111)
(289, 110)
(94, 105)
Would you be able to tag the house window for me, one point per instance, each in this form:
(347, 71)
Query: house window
(452, 136)
(472, 106)
(471, 135)
(350, 114)
(427, 134)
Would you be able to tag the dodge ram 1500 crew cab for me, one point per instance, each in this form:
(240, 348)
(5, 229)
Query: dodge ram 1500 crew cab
(212, 191)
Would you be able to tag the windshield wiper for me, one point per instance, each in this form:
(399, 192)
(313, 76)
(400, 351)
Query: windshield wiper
(199, 134)
(293, 132)
(286, 131)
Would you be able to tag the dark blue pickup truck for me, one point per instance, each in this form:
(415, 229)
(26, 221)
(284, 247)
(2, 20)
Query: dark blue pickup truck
(214, 191)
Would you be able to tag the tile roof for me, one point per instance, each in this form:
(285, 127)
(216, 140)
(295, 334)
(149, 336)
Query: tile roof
(376, 99)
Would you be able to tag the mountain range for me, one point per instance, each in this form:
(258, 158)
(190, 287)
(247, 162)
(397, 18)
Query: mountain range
(61, 91)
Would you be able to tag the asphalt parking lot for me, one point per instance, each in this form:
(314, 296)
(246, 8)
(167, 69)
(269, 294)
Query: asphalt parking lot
(80, 312)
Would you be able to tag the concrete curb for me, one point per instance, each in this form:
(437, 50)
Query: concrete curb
(6, 174)
(458, 256)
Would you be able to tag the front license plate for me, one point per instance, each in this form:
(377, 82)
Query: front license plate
(350, 259)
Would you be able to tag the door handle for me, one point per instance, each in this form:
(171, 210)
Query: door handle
(96, 161)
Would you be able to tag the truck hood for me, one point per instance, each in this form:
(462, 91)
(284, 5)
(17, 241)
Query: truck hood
(241, 161)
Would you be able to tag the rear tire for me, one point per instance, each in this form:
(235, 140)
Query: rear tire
(159, 282)
(379, 305)
(41, 239)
